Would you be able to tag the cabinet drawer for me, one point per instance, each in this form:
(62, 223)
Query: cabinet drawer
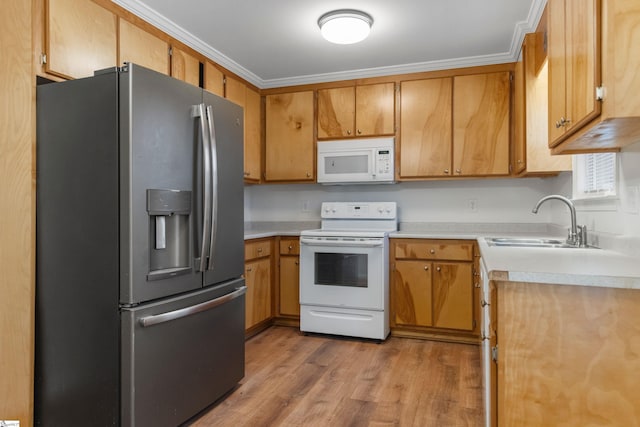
(434, 249)
(290, 246)
(257, 249)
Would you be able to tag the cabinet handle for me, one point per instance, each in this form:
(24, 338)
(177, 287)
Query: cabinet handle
(432, 251)
(446, 171)
(426, 267)
(483, 303)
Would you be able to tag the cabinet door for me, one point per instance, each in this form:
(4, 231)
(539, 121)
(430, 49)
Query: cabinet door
(336, 112)
(289, 286)
(425, 128)
(80, 38)
(289, 144)
(375, 112)
(557, 70)
(258, 296)
(213, 79)
(412, 293)
(481, 124)
(142, 48)
(252, 145)
(574, 66)
(453, 296)
(185, 66)
(234, 90)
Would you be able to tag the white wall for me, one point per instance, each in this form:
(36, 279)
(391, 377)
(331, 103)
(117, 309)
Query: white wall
(617, 217)
(495, 200)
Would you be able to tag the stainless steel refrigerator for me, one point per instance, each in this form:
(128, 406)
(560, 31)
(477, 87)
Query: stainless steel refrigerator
(140, 250)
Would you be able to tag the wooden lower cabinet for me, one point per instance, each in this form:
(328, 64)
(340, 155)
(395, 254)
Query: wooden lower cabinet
(433, 293)
(289, 281)
(567, 355)
(258, 275)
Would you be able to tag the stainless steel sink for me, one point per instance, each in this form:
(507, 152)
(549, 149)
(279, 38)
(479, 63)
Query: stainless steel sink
(531, 242)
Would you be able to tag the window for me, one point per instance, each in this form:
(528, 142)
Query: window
(595, 175)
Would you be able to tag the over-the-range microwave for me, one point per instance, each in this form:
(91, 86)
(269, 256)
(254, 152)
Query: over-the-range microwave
(356, 161)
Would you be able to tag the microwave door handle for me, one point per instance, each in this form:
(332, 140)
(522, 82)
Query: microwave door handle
(373, 163)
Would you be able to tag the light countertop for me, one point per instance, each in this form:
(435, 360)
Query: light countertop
(585, 267)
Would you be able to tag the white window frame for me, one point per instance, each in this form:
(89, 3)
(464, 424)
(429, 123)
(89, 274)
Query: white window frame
(597, 198)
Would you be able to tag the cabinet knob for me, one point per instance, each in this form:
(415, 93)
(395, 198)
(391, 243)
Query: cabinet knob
(446, 171)
(290, 247)
(483, 303)
(259, 250)
(249, 269)
(359, 131)
(349, 132)
(297, 262)
(426, 267)
(247, 173)
(298, 125)
(308, 175)
(432, 251)
(458, 170)
(437, 268)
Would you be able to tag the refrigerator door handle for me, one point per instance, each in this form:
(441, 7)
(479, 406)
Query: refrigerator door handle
(214, 186)
(199, 111)
(188, 311)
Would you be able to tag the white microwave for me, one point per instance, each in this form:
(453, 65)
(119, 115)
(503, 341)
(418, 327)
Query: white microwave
(356, 161)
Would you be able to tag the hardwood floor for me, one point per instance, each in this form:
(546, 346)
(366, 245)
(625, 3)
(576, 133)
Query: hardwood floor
(297, 380)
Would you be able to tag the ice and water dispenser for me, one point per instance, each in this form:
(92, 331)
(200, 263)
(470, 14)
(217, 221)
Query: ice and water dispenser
(169, 213)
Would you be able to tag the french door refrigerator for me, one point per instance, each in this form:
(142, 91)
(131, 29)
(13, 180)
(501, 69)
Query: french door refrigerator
(139, 255)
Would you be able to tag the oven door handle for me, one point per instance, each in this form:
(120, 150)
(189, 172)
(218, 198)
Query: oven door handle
(310, 241)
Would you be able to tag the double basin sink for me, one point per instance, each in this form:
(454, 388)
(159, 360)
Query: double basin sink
(526, 242)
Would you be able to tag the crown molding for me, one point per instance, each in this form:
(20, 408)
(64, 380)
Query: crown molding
(521, 28)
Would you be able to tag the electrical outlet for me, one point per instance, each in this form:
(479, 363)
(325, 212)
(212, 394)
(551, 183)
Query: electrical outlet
(473, 205)
(305, 206)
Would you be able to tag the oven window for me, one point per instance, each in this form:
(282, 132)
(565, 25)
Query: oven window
(333, 269)
(346, 164)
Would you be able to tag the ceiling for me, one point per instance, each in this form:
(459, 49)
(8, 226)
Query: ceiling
(274, 43)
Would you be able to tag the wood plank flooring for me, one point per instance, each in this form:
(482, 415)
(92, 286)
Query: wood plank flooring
(316, 380)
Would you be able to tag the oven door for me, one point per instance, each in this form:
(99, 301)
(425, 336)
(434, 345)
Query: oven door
(344, 272)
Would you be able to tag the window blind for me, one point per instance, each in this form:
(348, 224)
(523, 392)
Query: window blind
(596, 174)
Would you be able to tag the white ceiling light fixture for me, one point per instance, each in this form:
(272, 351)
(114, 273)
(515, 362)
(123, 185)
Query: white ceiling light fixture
(345, 26)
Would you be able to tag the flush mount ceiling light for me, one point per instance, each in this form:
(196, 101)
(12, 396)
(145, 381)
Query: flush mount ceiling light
(345, 26)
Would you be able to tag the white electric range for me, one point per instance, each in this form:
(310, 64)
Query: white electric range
(344, 270)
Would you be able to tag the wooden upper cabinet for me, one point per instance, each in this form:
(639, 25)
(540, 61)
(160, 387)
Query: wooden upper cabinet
(531, 150)
(375, 112)
(425, 128)
(481, 104)
(336, 112)
(252, 136)
(364, 110)
(143, 48)
(80, 37)
(185, 66)
(289, 144)
(235, 91)
(213, 79)
(574, 66)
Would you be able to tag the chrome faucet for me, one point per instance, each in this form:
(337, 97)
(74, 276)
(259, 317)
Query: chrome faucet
(577, 234)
